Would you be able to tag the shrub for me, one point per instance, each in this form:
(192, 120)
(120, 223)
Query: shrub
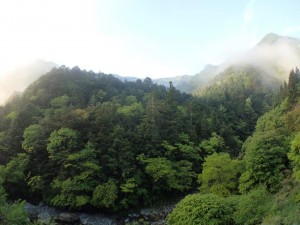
(207, 209)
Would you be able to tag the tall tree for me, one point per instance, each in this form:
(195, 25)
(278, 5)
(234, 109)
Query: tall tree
(293, 86)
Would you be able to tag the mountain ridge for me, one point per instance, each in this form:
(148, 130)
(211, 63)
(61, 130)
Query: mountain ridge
(274, 54)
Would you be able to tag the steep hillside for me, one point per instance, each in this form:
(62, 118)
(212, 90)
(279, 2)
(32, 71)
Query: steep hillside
(261, 186)
(243, 92)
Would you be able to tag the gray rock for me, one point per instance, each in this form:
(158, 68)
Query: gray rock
(49, 215)
(42, 213)
(133, 215)
(97, 219)
(31, 209)
(68, 217)
(44, 218)
(160, 222)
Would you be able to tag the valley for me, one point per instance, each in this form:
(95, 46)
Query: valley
(225, 141)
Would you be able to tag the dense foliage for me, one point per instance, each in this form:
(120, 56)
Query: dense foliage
(80, 140)
(11, 213)
(220, 175)
(269, 194)
(200, 209)
(243, 94)
(248, 209)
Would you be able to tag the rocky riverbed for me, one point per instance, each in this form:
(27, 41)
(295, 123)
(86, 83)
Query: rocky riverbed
(51, 216)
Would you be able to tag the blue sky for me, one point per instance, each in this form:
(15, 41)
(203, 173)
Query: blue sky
(156, 38)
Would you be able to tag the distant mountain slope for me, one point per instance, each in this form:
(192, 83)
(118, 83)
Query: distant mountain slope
(125, 78)
(188, 83)
(180, 82)
(274, 56)
(19, 79)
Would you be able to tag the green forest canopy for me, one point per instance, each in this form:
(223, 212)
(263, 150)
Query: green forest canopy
(81, 140)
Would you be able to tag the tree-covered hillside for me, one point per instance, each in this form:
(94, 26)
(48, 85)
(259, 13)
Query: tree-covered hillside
(81, 140)
(243, 93)
(261, 186)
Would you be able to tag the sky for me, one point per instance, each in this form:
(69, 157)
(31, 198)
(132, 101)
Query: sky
(155, 38)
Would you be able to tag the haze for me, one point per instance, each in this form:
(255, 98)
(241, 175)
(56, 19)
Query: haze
(134, 38)
(138, 38)
(276, 58)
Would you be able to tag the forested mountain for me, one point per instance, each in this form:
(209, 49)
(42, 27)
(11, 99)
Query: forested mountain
(188, 83)
(81, 140)
(88, 141)
(273, 56)
(262, 186)
(184, 83)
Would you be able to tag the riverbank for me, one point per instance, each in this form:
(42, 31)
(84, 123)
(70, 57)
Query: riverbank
(51, 216)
